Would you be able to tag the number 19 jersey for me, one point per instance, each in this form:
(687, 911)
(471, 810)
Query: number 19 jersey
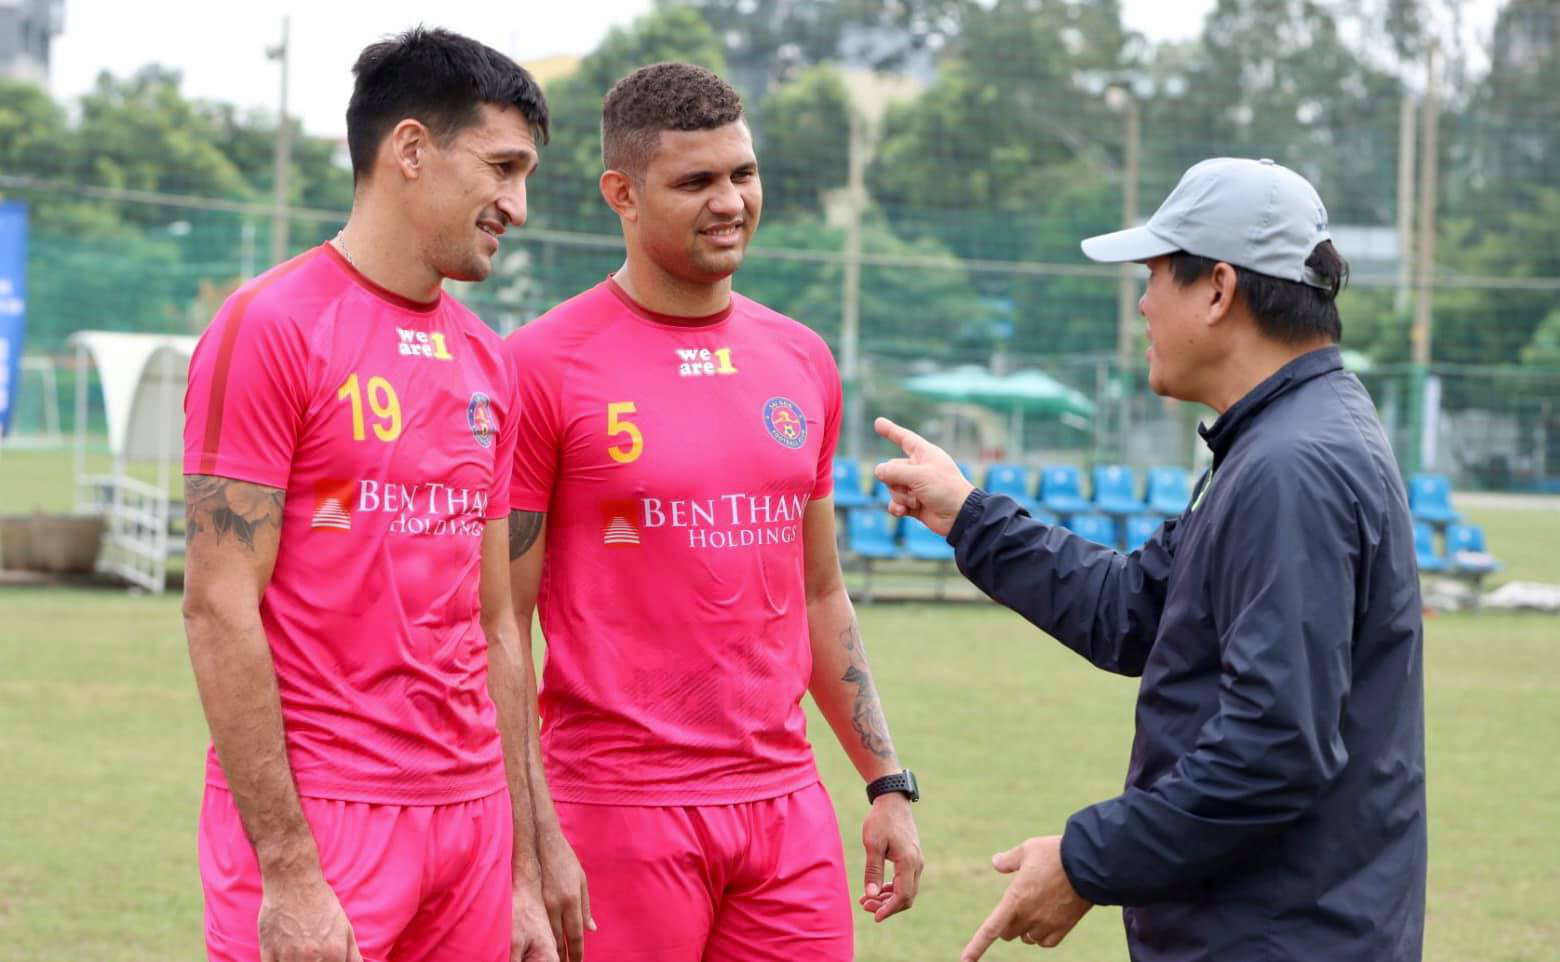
(675, 461)
(387, 423)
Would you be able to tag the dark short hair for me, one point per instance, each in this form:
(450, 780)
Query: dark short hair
(1290, 312)
(662, 96)
(439, 78)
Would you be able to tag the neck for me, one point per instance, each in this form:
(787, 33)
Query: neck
(656, 290)
(1250, 364)
(374, 243)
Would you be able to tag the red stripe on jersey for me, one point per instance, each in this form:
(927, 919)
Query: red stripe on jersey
(219, 370)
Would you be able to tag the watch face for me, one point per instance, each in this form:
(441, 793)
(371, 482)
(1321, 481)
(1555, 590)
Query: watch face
(913, 786)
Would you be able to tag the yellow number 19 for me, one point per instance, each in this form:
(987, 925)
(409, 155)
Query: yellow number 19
(381, 400)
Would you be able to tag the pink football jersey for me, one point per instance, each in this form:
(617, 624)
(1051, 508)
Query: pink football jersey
(385, 422)
(675, 462)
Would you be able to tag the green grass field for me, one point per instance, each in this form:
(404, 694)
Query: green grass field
(102, 743)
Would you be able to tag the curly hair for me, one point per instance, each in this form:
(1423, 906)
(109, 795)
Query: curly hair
(662, 96)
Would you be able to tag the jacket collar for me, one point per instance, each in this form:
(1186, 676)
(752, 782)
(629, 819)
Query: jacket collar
(1234, 421)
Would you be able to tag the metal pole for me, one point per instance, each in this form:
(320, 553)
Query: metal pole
(850, 302)
(283, 156)
(1427, 200)
(1405, 203)
(1126, 283)
(1425, 258)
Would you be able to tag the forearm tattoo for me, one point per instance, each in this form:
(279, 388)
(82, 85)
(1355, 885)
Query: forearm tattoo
(866, 713)
(524, 527)
(222, 507)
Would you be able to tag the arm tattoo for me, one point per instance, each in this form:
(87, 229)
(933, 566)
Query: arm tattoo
(867, 712)
(524, 526)
(226, 507)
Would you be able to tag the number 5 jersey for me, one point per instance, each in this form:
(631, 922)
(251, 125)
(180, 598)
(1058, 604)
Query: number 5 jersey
(675, 459)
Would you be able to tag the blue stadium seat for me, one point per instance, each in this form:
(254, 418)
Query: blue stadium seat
(1011, 480)
(848, 492)
(1043, 516)
(1115, 490)
(1169, 490)
(964, 469)
(1061, 490)
(924, 543)
(1424, 548)
(1466, 552)
(1430, 499)
(1141, 527)
(880, 494)
(870, 534)
(1094, 526)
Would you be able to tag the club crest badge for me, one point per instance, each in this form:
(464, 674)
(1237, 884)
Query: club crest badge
(785, 422)
(479, 417)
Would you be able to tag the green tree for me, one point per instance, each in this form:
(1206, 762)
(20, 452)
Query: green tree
(803, 131)
(914, 309)
(141, 133)
(563, 194)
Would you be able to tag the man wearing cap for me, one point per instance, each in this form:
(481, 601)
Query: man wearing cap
(1275, 800)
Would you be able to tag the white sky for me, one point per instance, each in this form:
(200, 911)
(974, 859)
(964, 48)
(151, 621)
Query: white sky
(220, 47)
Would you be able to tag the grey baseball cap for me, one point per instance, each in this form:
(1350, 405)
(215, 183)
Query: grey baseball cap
(1250, 213)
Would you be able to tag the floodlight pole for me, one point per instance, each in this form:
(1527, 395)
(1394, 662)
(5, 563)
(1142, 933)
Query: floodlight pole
(1122, 100)
(850, 301)
(283, 156)
(1427, 201)
(1423, 394)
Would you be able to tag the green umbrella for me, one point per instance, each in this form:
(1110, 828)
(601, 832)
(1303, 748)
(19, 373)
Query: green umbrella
(1026, 392)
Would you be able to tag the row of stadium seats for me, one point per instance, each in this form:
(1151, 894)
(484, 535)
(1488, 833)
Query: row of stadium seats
(1465, 554)
(1056, 491)
(872, 535)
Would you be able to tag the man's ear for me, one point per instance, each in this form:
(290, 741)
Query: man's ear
(621, 193)
(1221, 292)
(407, 144)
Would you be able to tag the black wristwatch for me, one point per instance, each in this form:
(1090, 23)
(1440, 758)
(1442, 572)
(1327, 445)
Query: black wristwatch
(902, 782)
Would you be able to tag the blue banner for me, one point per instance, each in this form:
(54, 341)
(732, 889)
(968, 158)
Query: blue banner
(13, 305)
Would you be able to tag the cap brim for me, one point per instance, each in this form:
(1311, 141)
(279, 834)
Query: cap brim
(1132, 244)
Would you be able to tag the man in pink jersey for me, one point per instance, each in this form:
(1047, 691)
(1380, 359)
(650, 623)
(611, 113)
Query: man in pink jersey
(349, 436)
(674, 524)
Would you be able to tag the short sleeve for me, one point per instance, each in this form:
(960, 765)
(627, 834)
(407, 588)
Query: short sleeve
(535, 461)
(833, 400)
(246, 395)
(504, 451)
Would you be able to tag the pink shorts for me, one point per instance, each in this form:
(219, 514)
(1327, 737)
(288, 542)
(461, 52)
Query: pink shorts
(754, 882)
(418, 883)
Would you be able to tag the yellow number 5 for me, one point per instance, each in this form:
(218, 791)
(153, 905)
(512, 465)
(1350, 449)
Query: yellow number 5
(616, 425)
(381, 399)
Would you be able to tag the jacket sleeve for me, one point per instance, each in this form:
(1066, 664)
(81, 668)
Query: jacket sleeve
(1281, 574)
(1101, 603)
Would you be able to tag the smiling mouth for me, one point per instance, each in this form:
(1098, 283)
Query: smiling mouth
(490, 228)
(723, 230)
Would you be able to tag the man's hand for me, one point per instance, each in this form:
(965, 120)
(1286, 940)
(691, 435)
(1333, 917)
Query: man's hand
(889, 833)
(564, 894)
(925, 483)
(1039, 905)
(531, 938)
(302, 921)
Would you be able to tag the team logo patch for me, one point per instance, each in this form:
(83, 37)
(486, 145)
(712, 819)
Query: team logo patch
(479, 417)
(785, 422)
(617, 524)
(333, 504)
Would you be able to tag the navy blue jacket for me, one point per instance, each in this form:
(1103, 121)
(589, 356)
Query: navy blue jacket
(1275, 801)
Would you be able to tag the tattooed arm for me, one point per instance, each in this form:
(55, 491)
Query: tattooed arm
(563, 881)
(233, 529)
(843, 689)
